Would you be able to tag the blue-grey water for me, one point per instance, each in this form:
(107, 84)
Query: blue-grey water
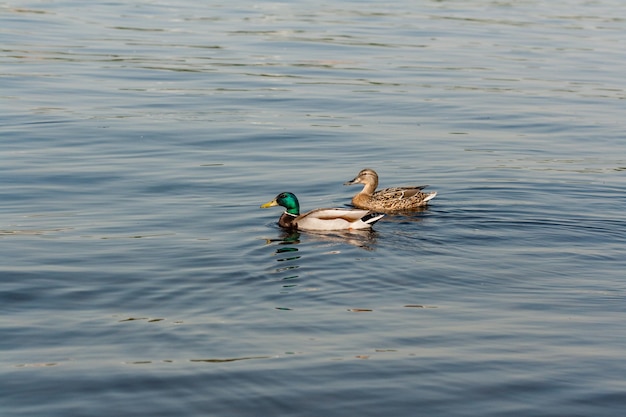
(139, 276)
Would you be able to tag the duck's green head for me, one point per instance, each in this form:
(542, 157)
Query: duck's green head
(287, 200)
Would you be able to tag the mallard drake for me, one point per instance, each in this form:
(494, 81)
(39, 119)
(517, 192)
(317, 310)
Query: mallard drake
(388, 199)
(322, 218)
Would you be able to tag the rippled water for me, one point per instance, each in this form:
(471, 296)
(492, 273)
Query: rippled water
(140, 277)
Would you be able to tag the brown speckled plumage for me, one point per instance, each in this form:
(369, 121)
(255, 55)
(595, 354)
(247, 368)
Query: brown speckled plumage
(388, 199)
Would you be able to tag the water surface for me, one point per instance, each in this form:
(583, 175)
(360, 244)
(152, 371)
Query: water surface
(141, 278)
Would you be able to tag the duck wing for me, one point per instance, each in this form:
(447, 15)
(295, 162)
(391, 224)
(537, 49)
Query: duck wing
(335, 219)
(336, 213)
(399, 193)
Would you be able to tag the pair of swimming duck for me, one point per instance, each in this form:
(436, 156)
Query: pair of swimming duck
(371, 206)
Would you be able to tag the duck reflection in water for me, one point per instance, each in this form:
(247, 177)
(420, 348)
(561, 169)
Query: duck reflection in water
(365, 239)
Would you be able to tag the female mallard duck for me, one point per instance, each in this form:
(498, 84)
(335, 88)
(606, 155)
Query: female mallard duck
(388, 199)
(321, 219)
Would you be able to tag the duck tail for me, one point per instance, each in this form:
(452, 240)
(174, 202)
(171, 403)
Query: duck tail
(430, 196)
(372, 218)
